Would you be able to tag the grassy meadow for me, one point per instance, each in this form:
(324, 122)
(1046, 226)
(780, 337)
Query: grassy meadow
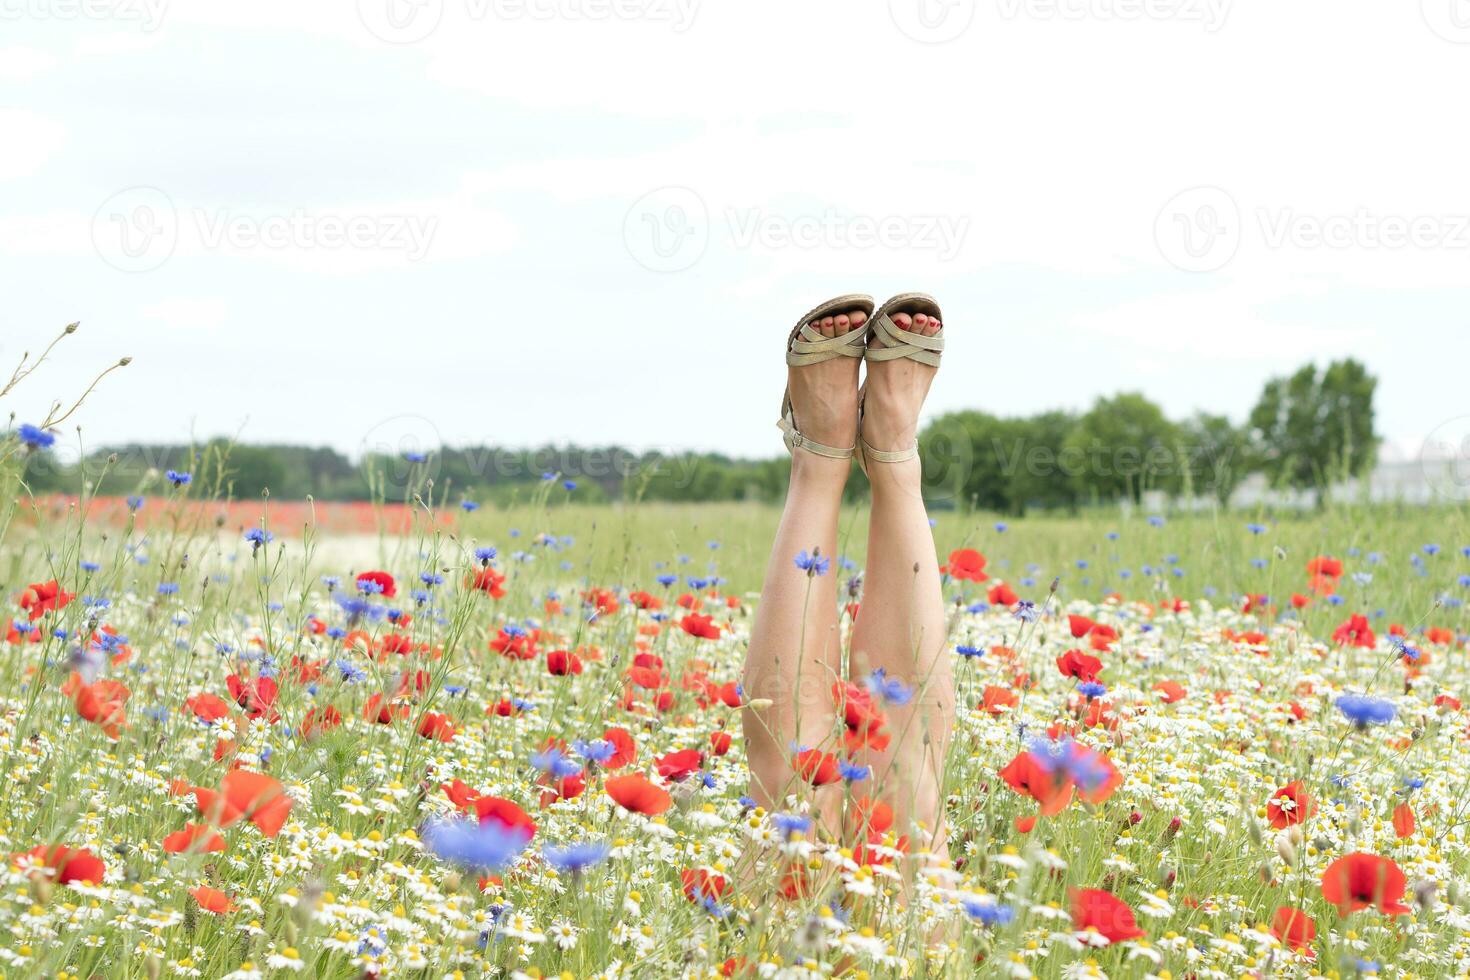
(509, 745)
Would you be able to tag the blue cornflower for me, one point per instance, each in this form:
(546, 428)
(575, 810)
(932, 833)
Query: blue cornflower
(179, 479)
(1156, 521)
(1256, 528)
(472, 844)
(577, 858)
(548, 477)
(1112, 535)
(1026, 611)
(812, 564)
(420, 597)
(791, 824)
(666, 580)
(1081, 563)
(1412, 783)
(852, 773)
(414, 456)
(368, 587)
(1001, 527)
(134, 503)
(258, 536)
(90, 566)
(555, 764)
(989, 913)
(1091, 690)
(968, 651)
(569, 484)
(1258, 563)
(357, 607)
(1464, 581)
(35, 438)
(1363, 710)
(431, 579)
(889, 689)
(1431, 549)
(468, 506)
(1083, 766)
(485, 555)
(168, 588)
(597, 751)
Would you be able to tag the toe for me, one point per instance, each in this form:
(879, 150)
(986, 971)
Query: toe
(842, 324)
(921, 323)
(857, 319)
(828, 327)
(904, 321)
(934, 327)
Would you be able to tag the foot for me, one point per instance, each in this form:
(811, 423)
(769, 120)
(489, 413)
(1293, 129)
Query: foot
(896, 391)
(824, 396)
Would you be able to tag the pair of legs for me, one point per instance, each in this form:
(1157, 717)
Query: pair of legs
(795, 653)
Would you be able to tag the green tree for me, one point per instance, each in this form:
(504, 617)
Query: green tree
(1215, 454)
(1312, 428)
(1122, 447)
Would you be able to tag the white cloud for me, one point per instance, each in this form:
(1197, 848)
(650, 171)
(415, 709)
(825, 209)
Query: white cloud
(192, 313)
(30, 140)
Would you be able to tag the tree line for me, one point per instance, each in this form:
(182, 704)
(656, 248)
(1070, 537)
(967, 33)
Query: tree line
(1307, 430)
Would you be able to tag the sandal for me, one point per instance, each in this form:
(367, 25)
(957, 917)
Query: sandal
(893, 342)
(807, 346)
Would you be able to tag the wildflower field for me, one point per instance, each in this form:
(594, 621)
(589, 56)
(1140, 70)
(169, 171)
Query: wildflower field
(508, 744)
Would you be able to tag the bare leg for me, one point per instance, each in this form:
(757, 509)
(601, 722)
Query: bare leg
(794, 655)
(901, 625)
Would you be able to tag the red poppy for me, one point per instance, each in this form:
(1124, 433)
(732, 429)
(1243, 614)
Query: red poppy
(1028, 777)
(625, 750)
(1403, 820)
(700, 884)
(560, 663)
(1104, 913)
(1290, 805)
(1361, 881)
(634, 792)
(43, 597)
(719, 742)
(1080, 626)
(246, 795)
(816, 767)
(680, 765)
(489, 581)
(998, 700)
(517, 645)
(1447, 702)
(1355, 632)
(435, 725)
(1322, 565)
(196, 838)
(1102, 636)
(69, 864)
(1002, 595)
(865, 726)
(966, 564)
(701, 626)
(103, 703)
(257, 696)
(1170, 691)
(645, 601)
(314, 724)
(1299, 601)
(381, 579)
(1295, 928)
(211, 900)
(1082, 666)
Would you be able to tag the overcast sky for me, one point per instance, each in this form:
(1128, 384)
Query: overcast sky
(354, 222)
